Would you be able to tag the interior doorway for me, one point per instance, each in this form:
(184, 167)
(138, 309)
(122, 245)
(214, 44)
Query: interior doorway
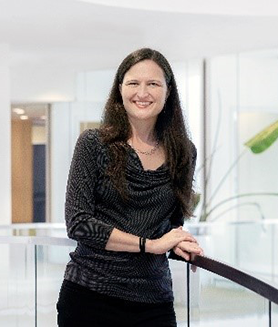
(29, 162)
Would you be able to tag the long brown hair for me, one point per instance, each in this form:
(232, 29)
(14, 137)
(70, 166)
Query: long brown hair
(170, 131)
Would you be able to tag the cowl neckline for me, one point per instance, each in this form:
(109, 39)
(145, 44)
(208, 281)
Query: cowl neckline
(134, 160)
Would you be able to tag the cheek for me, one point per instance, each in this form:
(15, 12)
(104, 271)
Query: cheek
(126, 99)
(162, 97)
(126, 95)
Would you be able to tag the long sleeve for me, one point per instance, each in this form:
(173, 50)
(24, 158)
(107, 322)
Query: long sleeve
(80, 198)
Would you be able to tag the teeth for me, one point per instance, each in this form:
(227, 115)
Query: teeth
(142, 103)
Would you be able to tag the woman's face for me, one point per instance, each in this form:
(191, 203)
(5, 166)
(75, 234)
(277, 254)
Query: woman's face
(144, 91)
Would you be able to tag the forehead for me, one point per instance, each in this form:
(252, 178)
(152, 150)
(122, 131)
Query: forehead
(145, 69)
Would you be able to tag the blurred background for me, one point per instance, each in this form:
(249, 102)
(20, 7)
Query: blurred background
(57, 64)
(58, 60)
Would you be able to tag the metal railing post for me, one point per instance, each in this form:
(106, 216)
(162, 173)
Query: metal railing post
(269, 313)
(36, 286)
(188, 295)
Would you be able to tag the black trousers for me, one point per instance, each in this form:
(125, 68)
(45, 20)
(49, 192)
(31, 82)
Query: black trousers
(78, 306)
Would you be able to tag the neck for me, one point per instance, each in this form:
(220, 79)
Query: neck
(142, 131)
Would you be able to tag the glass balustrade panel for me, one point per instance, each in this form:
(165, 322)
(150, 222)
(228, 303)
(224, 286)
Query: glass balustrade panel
(17, 285)
(255, 250)
(275, 255)
(219, 241)
(51, 263)
(250, 246)
(179, 276)
(274, 314)
(218, 302)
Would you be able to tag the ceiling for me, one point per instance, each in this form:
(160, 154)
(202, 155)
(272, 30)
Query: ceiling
(223, 7)
(97, 34)
(36, 112)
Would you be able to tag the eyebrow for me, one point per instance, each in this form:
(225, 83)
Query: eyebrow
(151, 80)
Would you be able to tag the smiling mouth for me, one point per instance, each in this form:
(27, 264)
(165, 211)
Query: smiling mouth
(142, 104)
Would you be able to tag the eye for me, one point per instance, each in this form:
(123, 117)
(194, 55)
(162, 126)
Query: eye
(132, 83)
(153, 84)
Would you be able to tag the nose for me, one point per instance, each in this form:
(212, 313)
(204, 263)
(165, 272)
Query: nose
(142, 91)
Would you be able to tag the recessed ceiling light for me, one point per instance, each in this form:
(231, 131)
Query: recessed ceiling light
(23, 117)
(19, 111)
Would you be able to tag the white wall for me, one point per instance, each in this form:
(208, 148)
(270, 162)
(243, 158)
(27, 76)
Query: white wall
(37, 83)
(258, 78)
(94, 85)
(60, 152)
(92, 88)
(222, 132)
(5, 136)
(65, 129)
(189, 78)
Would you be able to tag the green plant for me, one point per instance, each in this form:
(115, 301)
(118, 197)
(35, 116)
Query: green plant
(257, 144)
(263, 140)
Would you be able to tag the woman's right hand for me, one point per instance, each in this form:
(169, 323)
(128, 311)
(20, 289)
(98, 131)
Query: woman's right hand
(169, 241)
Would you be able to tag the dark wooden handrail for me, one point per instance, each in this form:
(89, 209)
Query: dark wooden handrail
(248, 281)
(235, 275)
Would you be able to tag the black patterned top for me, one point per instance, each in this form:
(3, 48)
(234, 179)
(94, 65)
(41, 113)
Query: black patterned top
(94, 207)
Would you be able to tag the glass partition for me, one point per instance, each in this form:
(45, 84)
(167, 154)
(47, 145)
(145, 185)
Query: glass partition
(51, 262)
(241, 102)
(249, 246)
(17, 285)
(179, 275)
(32, 270)
(31, 275)
(216, 301)
(257, 109)
(274, 314)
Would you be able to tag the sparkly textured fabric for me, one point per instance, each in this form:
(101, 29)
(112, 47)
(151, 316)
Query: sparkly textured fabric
(94, 207)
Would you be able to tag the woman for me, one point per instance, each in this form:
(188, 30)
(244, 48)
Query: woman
(129, 188)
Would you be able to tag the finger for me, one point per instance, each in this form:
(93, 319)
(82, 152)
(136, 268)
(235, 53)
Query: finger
(179, 235)
(182, 253)
(187, 246)
(190, 237)
(186, 236)
(190, 247)
(186, 233)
